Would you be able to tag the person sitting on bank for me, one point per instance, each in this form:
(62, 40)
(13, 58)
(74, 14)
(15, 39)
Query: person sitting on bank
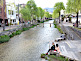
(57, 48)
(52, 48)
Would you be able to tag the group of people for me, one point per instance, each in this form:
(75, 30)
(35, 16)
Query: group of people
(54, 48)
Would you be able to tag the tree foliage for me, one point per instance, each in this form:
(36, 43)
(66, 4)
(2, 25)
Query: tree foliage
(25, 13)
(57, 8)
(47, 14)
(73, 6)
(32, 6)
(55, 14)
(31, 11)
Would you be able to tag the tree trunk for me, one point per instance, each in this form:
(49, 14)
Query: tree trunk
(59, 17)
(77, 20)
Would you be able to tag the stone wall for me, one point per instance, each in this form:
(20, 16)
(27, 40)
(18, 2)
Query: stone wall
(76, 30)
(9, 32)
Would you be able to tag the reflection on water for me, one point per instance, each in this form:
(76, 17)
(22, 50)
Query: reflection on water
(30, 44)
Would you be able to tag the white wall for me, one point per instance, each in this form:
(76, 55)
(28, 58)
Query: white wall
(74, 20)
(10, 16)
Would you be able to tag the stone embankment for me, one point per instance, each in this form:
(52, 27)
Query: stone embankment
(9, 32)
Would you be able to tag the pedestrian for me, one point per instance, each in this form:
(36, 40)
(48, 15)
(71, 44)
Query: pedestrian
(28, 22)
(52, 48)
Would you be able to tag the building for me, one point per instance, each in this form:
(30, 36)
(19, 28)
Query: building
(3, 12)
(11, 14)
(74, 18)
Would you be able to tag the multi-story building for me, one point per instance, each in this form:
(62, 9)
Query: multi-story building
(11, 14)
(3, 12)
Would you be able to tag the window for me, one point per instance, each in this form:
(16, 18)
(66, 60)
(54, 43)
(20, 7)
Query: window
(10, 12)
(14, 20)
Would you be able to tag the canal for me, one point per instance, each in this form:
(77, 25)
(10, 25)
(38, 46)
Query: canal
(29, 45)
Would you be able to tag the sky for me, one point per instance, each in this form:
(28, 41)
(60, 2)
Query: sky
(40, 3)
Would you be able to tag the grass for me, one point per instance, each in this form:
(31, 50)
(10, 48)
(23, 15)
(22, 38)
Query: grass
(54, 58)
(43, 55)
(60, 58)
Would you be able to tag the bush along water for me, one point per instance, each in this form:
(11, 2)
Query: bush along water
(58, 27)
(53, 57)
(4, 38)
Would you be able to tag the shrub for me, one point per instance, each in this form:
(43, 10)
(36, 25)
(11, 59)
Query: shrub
(24, 29)
(37, 24)
(38, 21)
(11, 36)
(32, 26)
(46, 58)
(43, 55)
(4, 38)
(41, 22)
(18, 32)
(14, 33)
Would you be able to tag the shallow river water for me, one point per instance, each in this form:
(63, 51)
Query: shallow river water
(29, 45)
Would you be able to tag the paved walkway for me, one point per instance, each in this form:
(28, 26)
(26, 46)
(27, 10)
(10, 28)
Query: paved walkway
(71, 49)
(70, 32)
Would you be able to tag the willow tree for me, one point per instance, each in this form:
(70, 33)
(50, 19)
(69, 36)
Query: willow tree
(58, 7)
(74, 6)
(25, 14)
(32, 7)
(46, 14)
(40, 12)
(55, 15)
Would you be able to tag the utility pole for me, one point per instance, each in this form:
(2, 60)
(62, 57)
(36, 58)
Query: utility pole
(18, 11)
(3, 15)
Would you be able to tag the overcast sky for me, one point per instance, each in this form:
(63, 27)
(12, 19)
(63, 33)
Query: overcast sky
(40, 3)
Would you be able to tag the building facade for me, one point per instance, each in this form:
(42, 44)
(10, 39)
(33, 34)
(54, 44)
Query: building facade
(11, 15)
(3, 12)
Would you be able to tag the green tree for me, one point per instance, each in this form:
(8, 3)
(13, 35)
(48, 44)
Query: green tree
(50, 15)
(25, 13)
(55, 14)
(46, 14)
(32, 7)
(58, 7)
(73, 6)
(40, 12)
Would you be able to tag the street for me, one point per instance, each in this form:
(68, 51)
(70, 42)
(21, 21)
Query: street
(30, 44)
(71, 33)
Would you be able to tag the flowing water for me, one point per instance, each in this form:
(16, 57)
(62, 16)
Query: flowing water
(29, 45)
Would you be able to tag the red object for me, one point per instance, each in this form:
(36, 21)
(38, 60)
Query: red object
(54, 50)
(46, 53)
